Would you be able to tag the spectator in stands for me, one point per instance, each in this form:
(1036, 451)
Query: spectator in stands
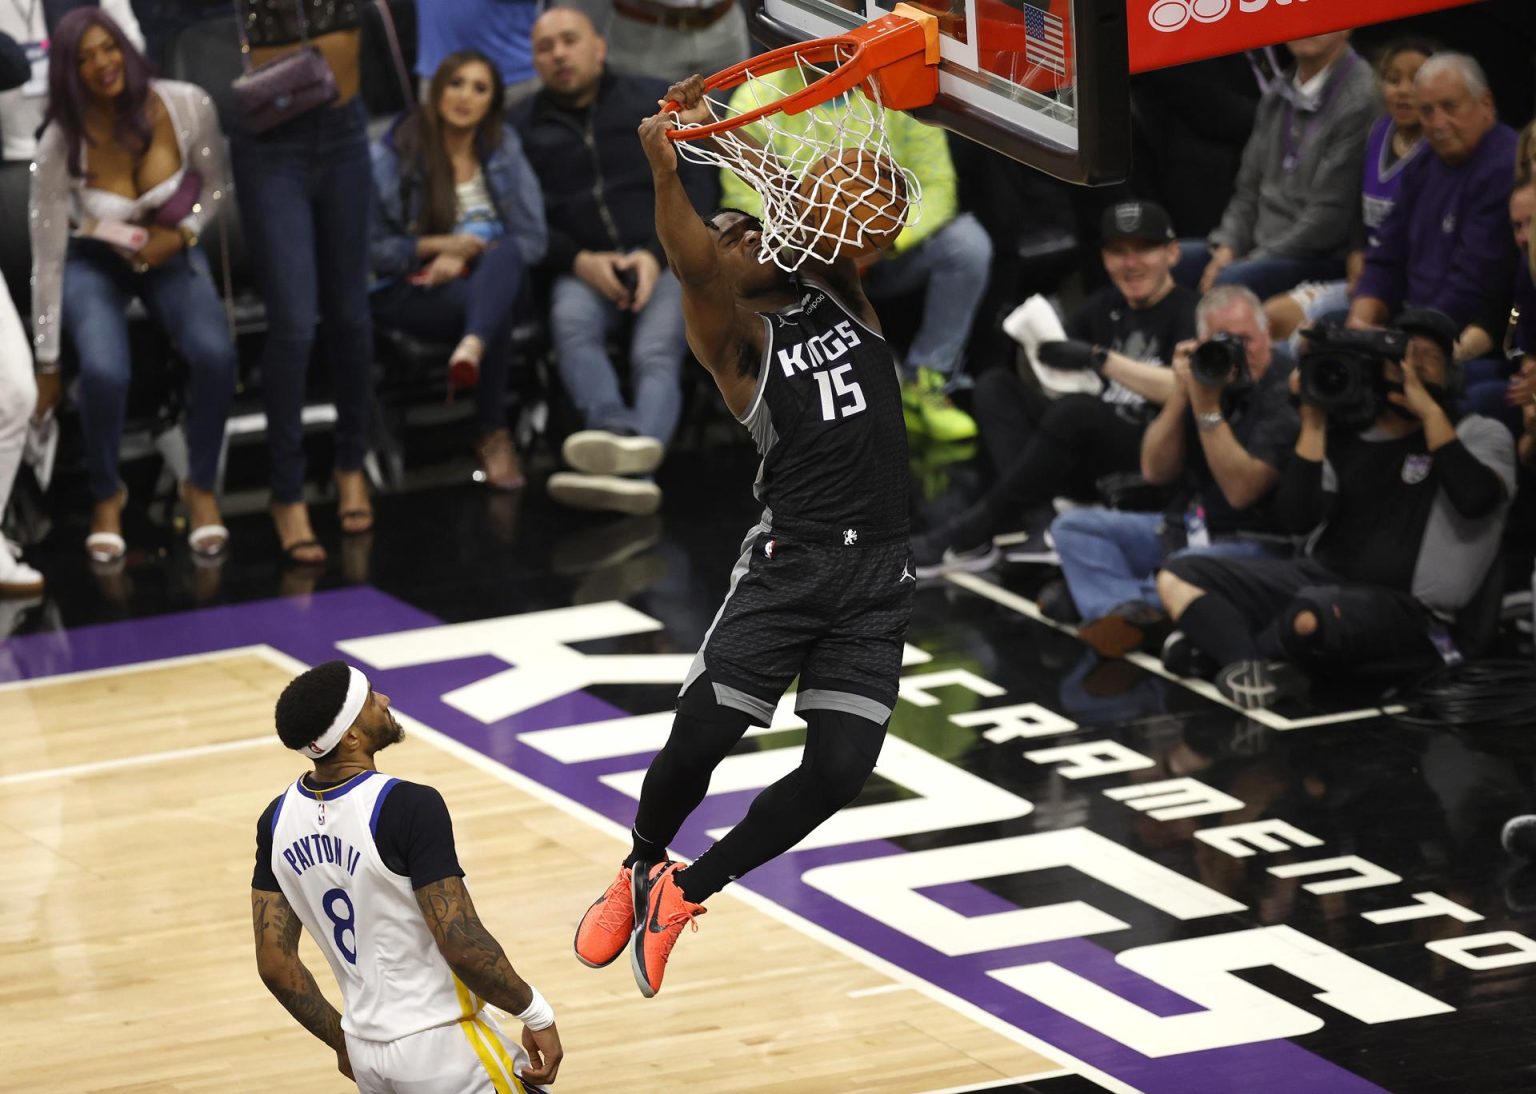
(1493, 345)
(500, 29)
(305, 200)
(1405, 519)
(946, 253)
(34, 26)
(1446, 239)
(18, 399)
(672, 39)
(1395, 140)
(129, 171)
(1222, 445)
(608, 267)
(1125, 332)
(458, 220)
(1299, 184)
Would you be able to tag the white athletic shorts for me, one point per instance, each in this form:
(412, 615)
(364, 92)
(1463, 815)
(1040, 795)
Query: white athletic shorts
(472, 1056)
(1321, 298)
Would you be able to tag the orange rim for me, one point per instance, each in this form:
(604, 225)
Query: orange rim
(900, 45)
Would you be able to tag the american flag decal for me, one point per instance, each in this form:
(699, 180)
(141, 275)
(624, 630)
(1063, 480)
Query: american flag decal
(1043, 42)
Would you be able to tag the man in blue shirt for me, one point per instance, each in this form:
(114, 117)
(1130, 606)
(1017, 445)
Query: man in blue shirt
(500, 29)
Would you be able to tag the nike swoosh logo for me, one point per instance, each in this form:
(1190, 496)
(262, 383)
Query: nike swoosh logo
(652, 925)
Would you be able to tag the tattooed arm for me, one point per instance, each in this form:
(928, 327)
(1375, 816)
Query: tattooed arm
(277, 959)
(480, 962)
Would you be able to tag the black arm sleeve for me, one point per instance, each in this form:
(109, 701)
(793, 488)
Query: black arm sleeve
(1301, 503)
(415, 835)
(262, 877)
(1473, 487)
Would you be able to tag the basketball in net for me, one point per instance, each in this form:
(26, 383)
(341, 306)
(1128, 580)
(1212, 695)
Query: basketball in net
(855, 202)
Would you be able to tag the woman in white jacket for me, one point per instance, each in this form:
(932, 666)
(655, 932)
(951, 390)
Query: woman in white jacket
(128, 172)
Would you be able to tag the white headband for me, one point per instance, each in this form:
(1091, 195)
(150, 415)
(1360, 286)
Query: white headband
(351, 707)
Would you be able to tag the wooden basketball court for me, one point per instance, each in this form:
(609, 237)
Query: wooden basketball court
(128, 801)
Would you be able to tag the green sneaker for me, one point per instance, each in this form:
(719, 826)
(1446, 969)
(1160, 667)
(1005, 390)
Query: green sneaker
(941, 420)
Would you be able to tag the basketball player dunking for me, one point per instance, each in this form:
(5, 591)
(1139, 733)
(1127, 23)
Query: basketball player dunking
(366, 863)
(824, 585)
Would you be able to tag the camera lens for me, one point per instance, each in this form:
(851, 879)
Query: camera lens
(1213, 362)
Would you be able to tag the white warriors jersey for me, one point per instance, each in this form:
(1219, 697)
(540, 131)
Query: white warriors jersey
(363, 915)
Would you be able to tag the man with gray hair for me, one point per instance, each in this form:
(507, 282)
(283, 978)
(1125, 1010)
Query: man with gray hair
(1446, 244)
(1220, 441)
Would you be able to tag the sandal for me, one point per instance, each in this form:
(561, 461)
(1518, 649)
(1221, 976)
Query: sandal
(106, 548)
(290, 551)
(208, 541)
(499, 466)
(464, 365)
(354, 522)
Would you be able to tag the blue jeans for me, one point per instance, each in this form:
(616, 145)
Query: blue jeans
(483, 304)
(1269, 276)
(181, 297)
(1111, 558)
(951, 266)
(580, 319)
(305, 190)
(1485, 382)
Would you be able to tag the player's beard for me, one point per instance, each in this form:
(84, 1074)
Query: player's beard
(390, 733)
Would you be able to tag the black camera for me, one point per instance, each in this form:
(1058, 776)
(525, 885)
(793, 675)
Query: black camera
(1341, 372)
(1219, 359)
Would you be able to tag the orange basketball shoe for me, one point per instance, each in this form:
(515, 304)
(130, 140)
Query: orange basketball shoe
(665, 912)
(604, 931)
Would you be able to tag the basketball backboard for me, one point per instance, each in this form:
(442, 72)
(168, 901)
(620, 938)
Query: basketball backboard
(1047, 82)
(1042, 81)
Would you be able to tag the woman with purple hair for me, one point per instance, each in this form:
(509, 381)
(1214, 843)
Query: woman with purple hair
(129, 171)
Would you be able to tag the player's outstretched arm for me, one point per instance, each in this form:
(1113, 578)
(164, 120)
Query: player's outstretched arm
(710, 312)
(478, 960)
(285, 975)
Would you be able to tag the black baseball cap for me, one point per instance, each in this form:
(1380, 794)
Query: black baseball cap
(1143, 220)
(1430, 323)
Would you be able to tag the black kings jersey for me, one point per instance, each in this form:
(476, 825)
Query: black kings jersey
(827, 420)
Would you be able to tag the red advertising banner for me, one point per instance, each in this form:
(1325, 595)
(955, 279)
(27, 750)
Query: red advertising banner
(1171, 32)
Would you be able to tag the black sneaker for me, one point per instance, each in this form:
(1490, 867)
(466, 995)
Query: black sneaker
(1055, 603)
(1181, 658)
(1127, 627)
(934, 556)
(1259, 685)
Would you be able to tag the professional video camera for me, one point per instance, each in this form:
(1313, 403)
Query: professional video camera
(1219, 359)
(1341, 372)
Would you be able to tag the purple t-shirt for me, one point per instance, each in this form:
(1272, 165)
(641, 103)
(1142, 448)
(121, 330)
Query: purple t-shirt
(1383, 175)
(1446, 239)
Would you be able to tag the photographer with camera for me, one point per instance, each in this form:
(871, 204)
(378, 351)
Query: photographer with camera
(1221, 437)
(1042, 448)
(1405, 507)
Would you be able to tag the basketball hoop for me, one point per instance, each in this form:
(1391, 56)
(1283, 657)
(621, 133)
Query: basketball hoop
(835, 187)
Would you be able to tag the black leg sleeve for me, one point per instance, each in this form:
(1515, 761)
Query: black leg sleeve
(840, 752)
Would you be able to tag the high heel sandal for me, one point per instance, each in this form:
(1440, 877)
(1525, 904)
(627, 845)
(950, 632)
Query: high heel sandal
(499, 466)
(464, 365)
(107, 548)
(352, 520)
(290, 551)
(208, 541)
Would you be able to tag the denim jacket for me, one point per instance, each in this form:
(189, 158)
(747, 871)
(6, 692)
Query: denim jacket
(512, 184)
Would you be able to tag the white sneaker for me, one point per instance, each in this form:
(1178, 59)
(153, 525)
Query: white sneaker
(638, 497)
(17, 579)
(599, 452)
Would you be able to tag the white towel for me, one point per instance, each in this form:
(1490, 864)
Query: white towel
(1034, 322)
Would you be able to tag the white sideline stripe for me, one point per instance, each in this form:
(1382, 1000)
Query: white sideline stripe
(145, 759)
(1001, 1080)
(1013, 601)
(120, 670)
(575, 809)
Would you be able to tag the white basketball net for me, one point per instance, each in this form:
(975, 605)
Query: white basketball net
(795, 225)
